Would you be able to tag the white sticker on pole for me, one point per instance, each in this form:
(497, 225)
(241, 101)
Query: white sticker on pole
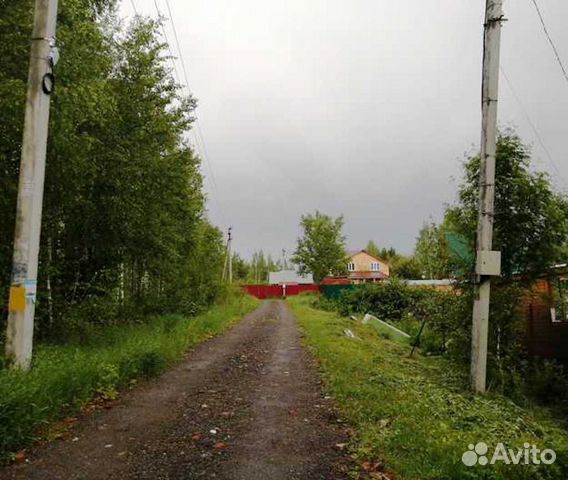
(27, 188)
(31, 290)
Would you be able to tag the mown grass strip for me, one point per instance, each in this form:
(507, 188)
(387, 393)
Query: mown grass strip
(415, 414)
(65, 377)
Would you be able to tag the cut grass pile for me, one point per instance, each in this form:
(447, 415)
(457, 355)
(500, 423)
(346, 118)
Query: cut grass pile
(415, 415)
(65, 377)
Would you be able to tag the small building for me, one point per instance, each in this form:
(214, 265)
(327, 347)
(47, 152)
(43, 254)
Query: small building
(289, 277)
(363, 267)
(545, 308)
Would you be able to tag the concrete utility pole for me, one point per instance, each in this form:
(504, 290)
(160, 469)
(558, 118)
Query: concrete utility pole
(284, 262)
(488, 262)
(230, 254)
(19, 335)
(228, 266)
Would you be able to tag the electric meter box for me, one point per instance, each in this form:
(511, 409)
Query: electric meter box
(488, 262)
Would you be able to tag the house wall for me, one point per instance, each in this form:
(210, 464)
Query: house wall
(544, 338)
(363, 262)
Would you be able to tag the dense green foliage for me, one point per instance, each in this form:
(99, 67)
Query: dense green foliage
(531, 223)
(406, 267)
(531, 219)
(124, 228)
(415, 415)
(257, 269)
(401, 266)
(387, 300)
(531, 231)
(447, 330)
(321, 248)
(406, 308)
(432, 253)
(65, 377)
(387, 254)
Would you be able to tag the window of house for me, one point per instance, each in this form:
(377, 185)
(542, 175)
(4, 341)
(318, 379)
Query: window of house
(375, 266)
(559, 310)
(351, 266)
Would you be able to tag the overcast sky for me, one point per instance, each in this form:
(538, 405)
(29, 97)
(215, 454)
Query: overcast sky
(364, 108)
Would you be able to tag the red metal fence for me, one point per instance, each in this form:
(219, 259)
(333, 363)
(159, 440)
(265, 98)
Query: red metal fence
(274, 291)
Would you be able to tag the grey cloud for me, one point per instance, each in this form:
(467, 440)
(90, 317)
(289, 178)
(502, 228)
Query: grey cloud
(357, 107)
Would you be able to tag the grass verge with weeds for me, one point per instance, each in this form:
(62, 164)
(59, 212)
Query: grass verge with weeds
(416, 415)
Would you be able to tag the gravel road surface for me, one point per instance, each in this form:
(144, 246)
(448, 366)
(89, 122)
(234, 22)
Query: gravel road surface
(247, 405)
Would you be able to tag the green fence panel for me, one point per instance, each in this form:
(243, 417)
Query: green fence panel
(333, 291)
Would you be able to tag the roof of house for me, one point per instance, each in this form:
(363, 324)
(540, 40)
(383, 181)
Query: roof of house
(352, 253)
(335, 281)
(289, 276)
(367, 275)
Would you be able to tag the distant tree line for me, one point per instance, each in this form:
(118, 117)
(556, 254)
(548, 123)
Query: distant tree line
(124, 230)
(257, 269)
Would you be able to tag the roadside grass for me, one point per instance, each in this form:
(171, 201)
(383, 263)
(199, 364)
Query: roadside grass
(66, 377)
(415, 415)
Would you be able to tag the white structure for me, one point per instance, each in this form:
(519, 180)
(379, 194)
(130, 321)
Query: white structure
(289, 277)
(430, 283)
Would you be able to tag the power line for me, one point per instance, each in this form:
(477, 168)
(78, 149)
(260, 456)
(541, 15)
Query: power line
(184, 69)
(550, 40)
(178, 45)
(533, 126)
(197, 132)
(172, 57)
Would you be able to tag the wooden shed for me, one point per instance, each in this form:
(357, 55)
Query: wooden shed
(547, 316)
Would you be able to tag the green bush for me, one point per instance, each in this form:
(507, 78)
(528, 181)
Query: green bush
(407, 307)
(387, 300)
(547, 381)
(447, 330)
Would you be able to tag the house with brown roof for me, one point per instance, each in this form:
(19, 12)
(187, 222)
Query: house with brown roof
(362, 267)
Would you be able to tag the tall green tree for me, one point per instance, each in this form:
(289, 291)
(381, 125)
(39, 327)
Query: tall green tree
(388, 254)
(406, 267)
(401, 266)
(372, 248)
(530, 230)
(124, 213)
(321, 248)
(241, 268)
(531, 218)
(260, 267)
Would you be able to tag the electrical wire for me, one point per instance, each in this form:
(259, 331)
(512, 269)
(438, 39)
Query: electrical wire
(171, 56)
(556, 54)
(184, 69)
(197, 132)
(533, 126)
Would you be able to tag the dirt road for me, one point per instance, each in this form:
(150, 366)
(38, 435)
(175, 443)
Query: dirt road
(245, 405)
